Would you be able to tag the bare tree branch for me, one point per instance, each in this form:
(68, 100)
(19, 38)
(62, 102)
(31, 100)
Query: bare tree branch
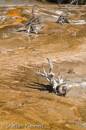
(58, 85)
(51, 66)
(34, 24)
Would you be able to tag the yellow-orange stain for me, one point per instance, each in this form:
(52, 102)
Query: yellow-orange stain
(15, 22)
(14, 13)
(19, 20)
(2, 26)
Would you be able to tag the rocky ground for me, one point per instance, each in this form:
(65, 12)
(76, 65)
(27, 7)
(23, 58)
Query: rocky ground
(24, 101)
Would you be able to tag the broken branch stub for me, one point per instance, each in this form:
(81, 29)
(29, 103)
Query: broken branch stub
(63, 19)
(58, 85)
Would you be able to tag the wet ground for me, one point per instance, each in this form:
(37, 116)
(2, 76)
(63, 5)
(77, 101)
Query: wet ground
(19, 2)
(24, 101)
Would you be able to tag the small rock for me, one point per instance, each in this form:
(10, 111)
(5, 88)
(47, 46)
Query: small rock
(50, 108)
(76, 123)
(74, 34)
(22, 103)
(34, 49)
(71, 72)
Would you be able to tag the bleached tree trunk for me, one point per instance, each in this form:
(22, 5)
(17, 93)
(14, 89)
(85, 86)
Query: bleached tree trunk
(59, 86)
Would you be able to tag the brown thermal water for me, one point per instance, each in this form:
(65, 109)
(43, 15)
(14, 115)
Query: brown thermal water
(24, 102)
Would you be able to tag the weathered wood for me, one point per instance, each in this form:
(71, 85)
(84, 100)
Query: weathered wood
(74, 2)
(34, 24)
(33, 12)
(31, 21)
(63, 19)
(58, 85)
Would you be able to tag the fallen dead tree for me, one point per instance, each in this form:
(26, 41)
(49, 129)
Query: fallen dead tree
(33, 26)
(63, 19)
(59, 86)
